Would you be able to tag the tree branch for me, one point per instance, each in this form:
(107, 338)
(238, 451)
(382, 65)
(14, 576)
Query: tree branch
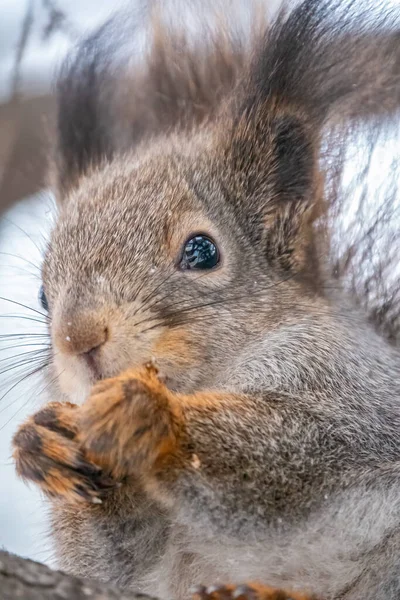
(28, 580)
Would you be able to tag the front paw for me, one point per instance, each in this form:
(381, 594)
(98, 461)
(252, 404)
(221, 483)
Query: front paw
(131, 423)
(46, 451)
(252, 591)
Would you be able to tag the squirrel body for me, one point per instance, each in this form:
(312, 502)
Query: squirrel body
(223, 409)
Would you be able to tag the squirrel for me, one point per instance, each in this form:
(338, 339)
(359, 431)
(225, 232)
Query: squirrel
(225, 413)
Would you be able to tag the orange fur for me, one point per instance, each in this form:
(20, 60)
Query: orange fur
(131, 423)
(46, 451)
(134, 425)
(174, 344)
(251, 591)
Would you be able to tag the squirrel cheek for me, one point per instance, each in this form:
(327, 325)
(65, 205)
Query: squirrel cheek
(174, 346)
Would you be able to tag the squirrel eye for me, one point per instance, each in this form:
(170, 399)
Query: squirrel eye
(200, 252)
(43, 299)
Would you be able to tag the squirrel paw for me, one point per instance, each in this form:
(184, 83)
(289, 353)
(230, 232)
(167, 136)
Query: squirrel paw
(130, 423)
(46, 451)
(252, 591)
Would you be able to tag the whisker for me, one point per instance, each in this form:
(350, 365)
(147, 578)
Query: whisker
(23, 306)
(144, 300)
(7, 406)
(173, 320)
(38, 393)
(162, 298)
(44, 355)
(28, 262)
(22, 363)
(25, 318)
(196, 306)
(17, 364)
(30, 238)
(24, 378)
(27, 401)
(42, 345)
(34, 372)
(25, 271)
(43, 348)
(220, 301)
(24, 355)
(6, 336)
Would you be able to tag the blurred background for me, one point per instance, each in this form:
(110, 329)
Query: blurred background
(34, 37)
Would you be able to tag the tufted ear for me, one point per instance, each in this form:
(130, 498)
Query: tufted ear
(325, 65)
(296, 194)
(84, 137)
(272, 158)
(144, 73)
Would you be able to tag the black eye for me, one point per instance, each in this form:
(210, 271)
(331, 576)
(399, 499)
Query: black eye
(200, 252)
(43, 299)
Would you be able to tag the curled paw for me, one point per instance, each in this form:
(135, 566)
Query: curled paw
(251, 591)
(46, 451)
(130, 423)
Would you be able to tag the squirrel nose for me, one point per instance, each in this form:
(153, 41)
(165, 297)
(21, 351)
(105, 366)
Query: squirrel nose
(81, 333)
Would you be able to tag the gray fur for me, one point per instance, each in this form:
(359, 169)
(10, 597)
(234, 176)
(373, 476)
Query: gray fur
(298, 485)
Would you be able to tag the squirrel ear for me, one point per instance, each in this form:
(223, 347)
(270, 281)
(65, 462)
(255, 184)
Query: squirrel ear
(325, 67)
(289, 214)
(141, 75)
(84, 135)
(273, 153)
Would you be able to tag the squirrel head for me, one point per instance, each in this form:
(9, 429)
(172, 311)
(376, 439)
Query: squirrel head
(161, 256)
(189, 193)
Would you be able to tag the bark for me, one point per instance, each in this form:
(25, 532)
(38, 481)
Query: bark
(27, 580)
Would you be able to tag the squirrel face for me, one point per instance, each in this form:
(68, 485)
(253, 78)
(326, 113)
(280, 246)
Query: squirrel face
(148, 261)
